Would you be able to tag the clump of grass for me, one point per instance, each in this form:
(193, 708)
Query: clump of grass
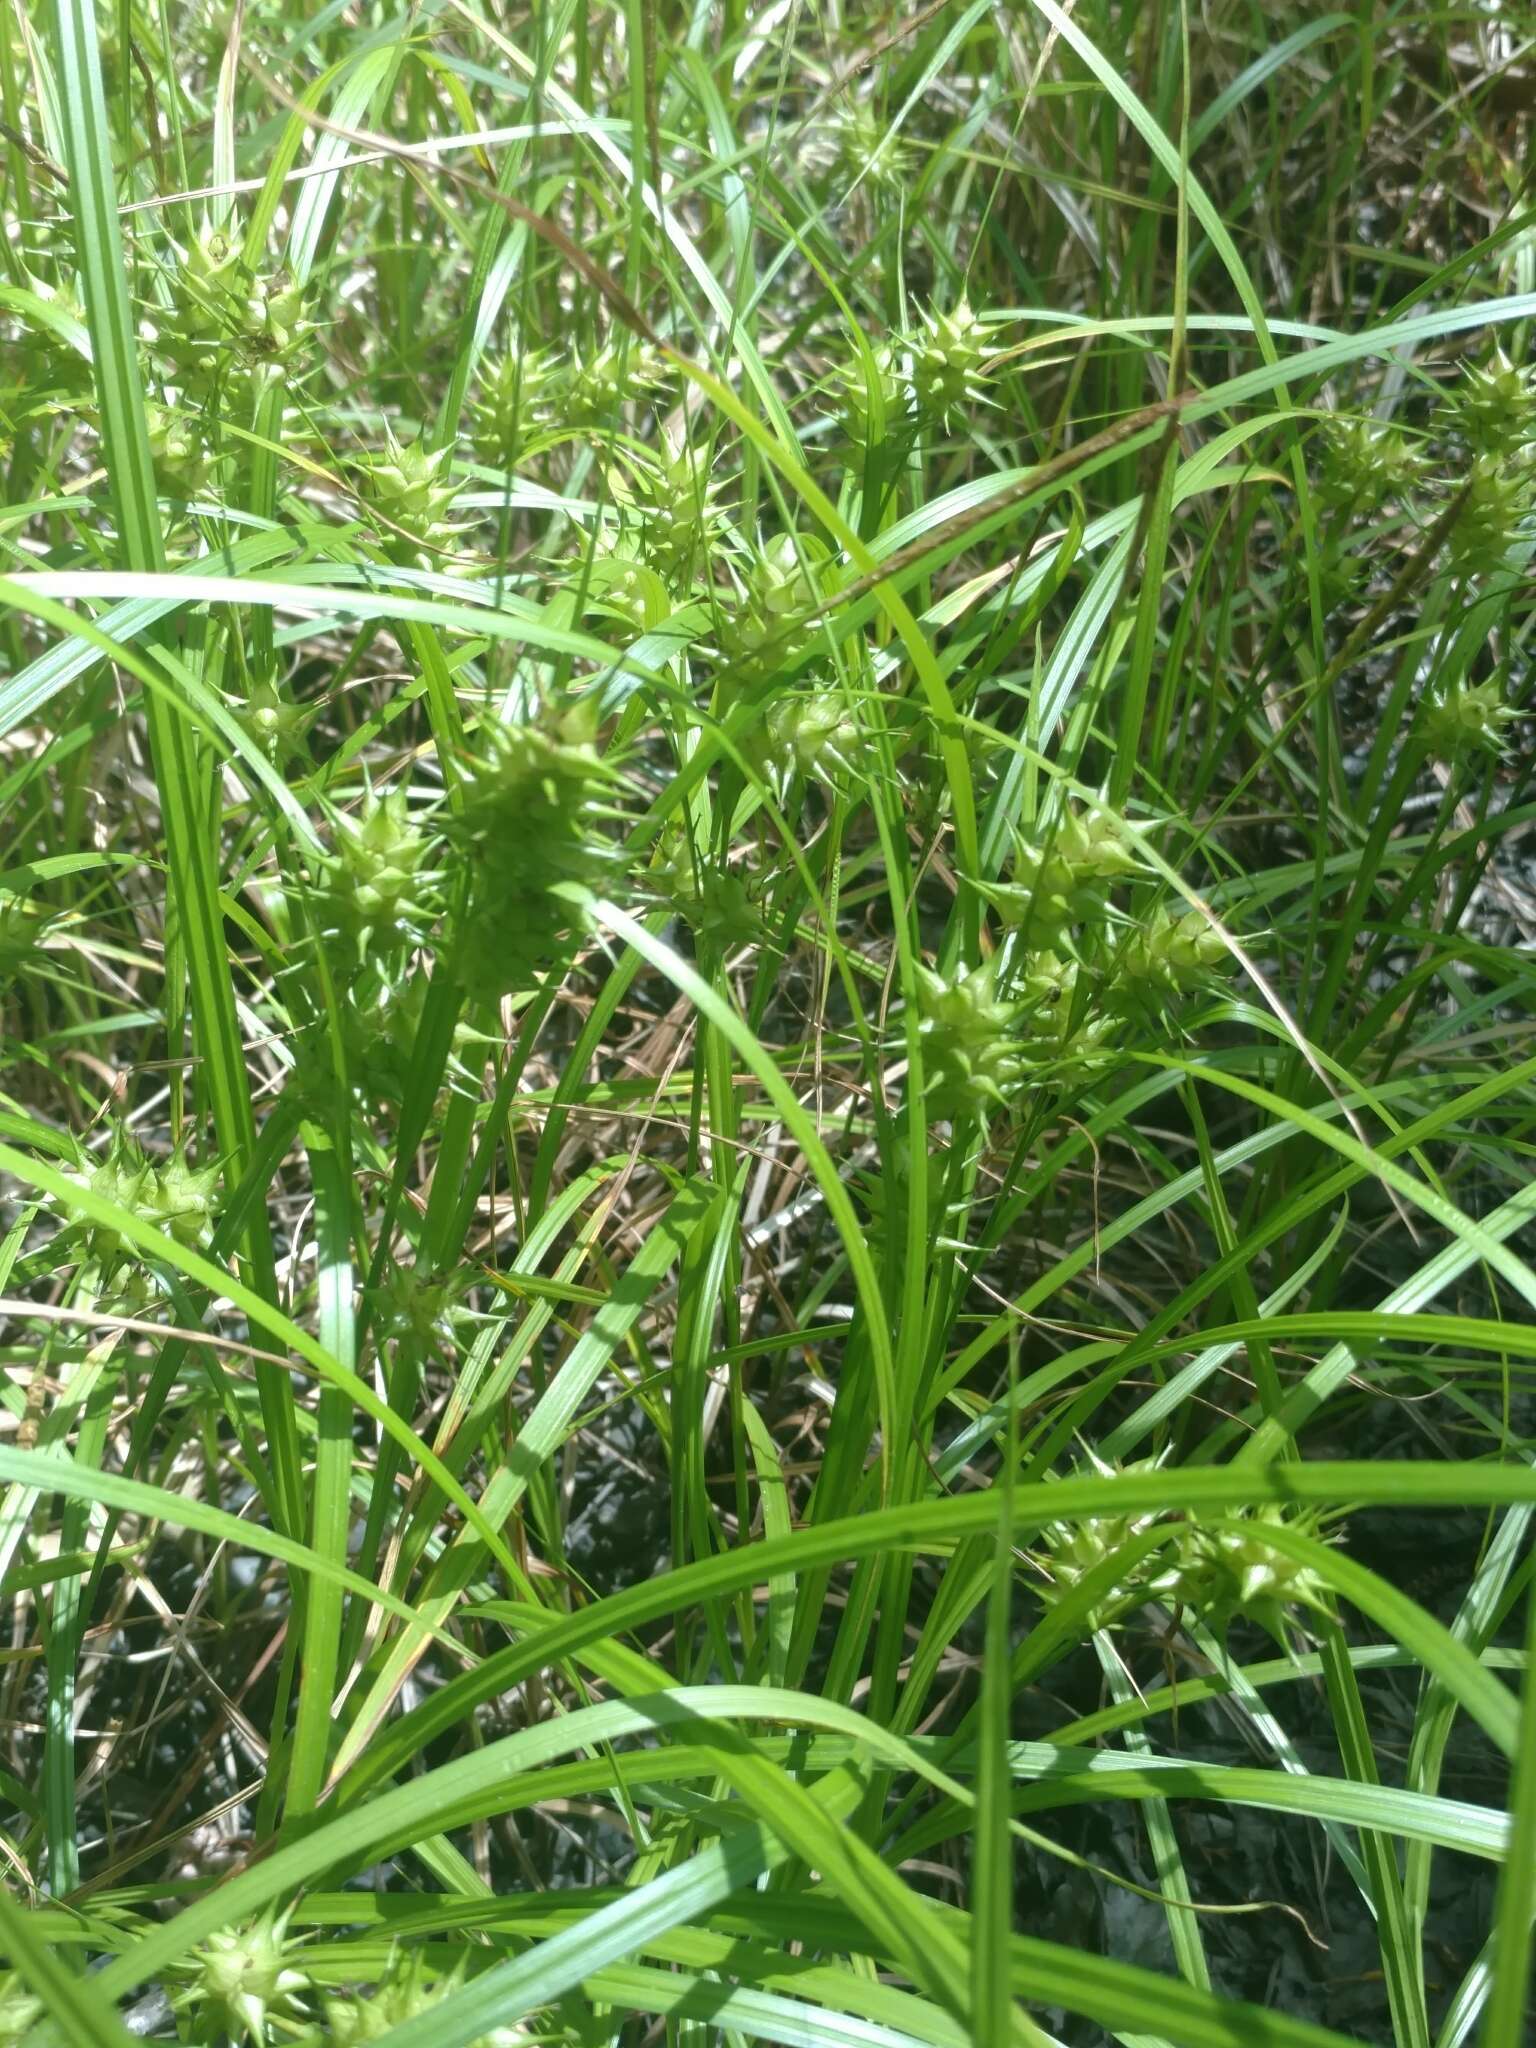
(766, 1068)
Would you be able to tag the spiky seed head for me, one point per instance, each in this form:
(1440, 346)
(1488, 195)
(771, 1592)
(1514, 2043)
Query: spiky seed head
(273, 325)
(183, 1199)
(379, 880)
(1064, 876)
(766, 637)
(783, 578)
(1072, 1552)
(681, 517)
(516, 388)
(719, 903)
(973, 1057)
(277, 723)
(246, 1977)
(227, 319)
(412, 489)
(1500, 497)
(816, 733)
(624, 587)
(947, 359)
(122, 1176)
(204, 288)
(178, 1198)
(184, 463)
(1171, 954)
(548, 758)
(1495, 408)
(1467, 718)
(863, 146)
(422, 1307)
(1236, 1569)
(858, 393)
(619, 373)
(405, 1992)
(1219, 1568)
(1097, 846)
(533, 817)
(1365, 465)
(55, 351)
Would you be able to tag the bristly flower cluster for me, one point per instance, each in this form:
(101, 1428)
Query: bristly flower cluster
(537, 812)
(380, 885)
(177, 1197)
(411, 491)
(1219, 1567)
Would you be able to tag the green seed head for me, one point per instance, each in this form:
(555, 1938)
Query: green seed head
(245, 1977)
(178, 1198)
(863, 147)
(1500, 496)
(124, 1177)
(533, 817)
(205, 289)
(513, 403)
(421, 1308)
(413, 492)
(768, 635)
(1219, 1571)
(1073, 1551)
(184, 464)
(1365, 465)
(622, 586)
(619, 373)
(1063, 878)
(275, 721)
(754, 648)
(274, 328)
(718, 903)
(783, 578)
(859, 394)
(1468, 718)
(947, 360)
(227, 320)
(1495, 408)
(1225, 1572)
(815, 733)
(973, 1054)
(549, 759)
(54, 351)
(404, 1993)
(1170, 955)
(1097, 847)
(1043, 897)
(183, 1199)
(680, 518)
(381, 1016)
(379, 881)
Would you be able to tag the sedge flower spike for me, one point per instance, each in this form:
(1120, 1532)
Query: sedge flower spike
(947, 359)
(246, 1979)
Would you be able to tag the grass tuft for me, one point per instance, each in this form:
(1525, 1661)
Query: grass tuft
(766, 1070)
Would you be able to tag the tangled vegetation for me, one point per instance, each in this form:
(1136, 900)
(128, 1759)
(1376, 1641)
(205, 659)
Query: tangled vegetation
(767, 1078)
